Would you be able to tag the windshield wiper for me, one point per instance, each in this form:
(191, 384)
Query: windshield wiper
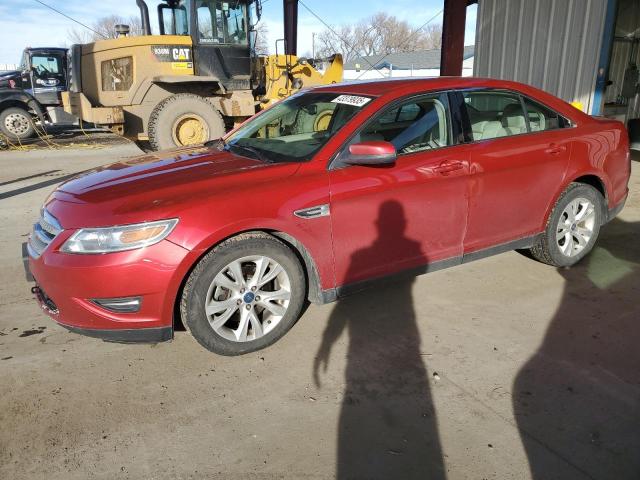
(250, 149)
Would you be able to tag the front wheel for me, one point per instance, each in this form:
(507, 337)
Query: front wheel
(573, 227)
(16, 124)
(244, 295)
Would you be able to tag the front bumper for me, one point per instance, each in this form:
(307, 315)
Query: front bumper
(67, 284)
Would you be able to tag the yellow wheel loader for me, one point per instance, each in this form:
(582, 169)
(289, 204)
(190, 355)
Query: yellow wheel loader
(190, 83)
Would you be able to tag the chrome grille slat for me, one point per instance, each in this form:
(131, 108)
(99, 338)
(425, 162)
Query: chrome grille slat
(49, 223)
(43, 233)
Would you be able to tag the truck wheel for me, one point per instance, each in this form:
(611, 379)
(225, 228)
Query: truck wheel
(16, 124)
(184, 119)
(243, 295)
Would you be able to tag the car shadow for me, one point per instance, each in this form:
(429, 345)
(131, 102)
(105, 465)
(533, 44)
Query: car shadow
(387, 427)
(577, 400)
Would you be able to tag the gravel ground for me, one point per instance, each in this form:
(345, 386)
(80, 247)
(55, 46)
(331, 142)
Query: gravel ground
(499, 369)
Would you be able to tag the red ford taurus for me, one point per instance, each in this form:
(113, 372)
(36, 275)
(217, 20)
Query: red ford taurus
(318, 196)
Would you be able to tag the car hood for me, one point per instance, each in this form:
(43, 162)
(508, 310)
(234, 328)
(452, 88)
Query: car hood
(156, 186)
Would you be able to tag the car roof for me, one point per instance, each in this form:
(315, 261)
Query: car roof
(388, 85)
(392, 87)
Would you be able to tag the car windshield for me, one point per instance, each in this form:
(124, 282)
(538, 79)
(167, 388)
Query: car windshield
(295, 129)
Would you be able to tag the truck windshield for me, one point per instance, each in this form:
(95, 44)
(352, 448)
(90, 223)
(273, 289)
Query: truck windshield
(295, 129)
(222, 22)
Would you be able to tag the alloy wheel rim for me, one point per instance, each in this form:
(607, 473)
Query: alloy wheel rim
(17, 124)
(248, 298)
(575, 227)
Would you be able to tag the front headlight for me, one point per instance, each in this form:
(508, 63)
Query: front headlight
(117, 239)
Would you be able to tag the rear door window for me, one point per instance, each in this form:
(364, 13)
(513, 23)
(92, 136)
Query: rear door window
(494, 114)
(542, 118)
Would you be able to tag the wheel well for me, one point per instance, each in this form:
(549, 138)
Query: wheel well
(314, 289)
(596, 182)
(14, 104)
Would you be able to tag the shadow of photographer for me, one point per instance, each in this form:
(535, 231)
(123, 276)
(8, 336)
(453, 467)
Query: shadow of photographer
(577, 400)
(387, 427)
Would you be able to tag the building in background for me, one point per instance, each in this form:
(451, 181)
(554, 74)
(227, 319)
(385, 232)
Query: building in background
(421, 63)
(8, 67)
(584, 51)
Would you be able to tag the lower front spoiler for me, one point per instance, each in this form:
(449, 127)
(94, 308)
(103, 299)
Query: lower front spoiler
(138, 335)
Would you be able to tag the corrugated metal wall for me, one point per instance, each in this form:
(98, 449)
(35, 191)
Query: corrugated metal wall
(551, 44)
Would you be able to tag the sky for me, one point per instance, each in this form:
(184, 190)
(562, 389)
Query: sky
(26, 23)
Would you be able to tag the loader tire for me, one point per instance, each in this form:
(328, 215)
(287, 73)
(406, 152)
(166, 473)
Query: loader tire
(184, 119)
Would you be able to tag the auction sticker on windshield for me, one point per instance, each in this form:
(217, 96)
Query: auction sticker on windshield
(354, 100)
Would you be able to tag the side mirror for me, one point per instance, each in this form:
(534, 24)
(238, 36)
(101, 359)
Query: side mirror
(371, 153)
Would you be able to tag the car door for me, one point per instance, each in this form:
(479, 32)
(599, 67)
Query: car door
(520, 154)
(391, 218)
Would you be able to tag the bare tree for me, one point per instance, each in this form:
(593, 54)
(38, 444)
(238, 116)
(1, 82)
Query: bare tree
(433, 36)
(343, 41)
(105, 27)
(379, 34)
(262, 39)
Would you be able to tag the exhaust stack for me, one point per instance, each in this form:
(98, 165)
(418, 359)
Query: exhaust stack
(144, 15)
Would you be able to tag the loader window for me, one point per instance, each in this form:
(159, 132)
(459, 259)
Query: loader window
(174, 20)
(222, 22)
(117, 74)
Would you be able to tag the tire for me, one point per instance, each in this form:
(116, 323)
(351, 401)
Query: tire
(171, 120)
(16, 124)
(212, 283)
(563, 243)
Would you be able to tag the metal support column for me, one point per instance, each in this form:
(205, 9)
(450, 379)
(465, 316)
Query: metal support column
(290, 8)
(453, 25)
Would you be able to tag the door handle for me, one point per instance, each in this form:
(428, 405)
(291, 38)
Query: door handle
(447, 167)
(555, 149)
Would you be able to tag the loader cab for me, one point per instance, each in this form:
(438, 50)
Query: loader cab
(220, 31)
(43, 74)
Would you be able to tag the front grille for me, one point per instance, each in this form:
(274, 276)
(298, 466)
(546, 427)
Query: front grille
(43, 233)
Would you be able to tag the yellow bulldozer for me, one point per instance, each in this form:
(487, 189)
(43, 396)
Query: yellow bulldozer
(190, 83)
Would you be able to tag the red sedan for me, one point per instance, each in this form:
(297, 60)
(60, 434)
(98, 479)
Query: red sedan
(319, 196)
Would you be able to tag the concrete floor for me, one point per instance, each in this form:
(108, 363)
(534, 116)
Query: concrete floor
(500, 369)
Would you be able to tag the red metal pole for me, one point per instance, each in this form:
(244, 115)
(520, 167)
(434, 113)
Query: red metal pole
(453, 24)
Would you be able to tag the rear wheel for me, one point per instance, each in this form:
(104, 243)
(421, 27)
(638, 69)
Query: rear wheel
(182, 120)
(16, 124)
(572, 228)
(244, 295)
